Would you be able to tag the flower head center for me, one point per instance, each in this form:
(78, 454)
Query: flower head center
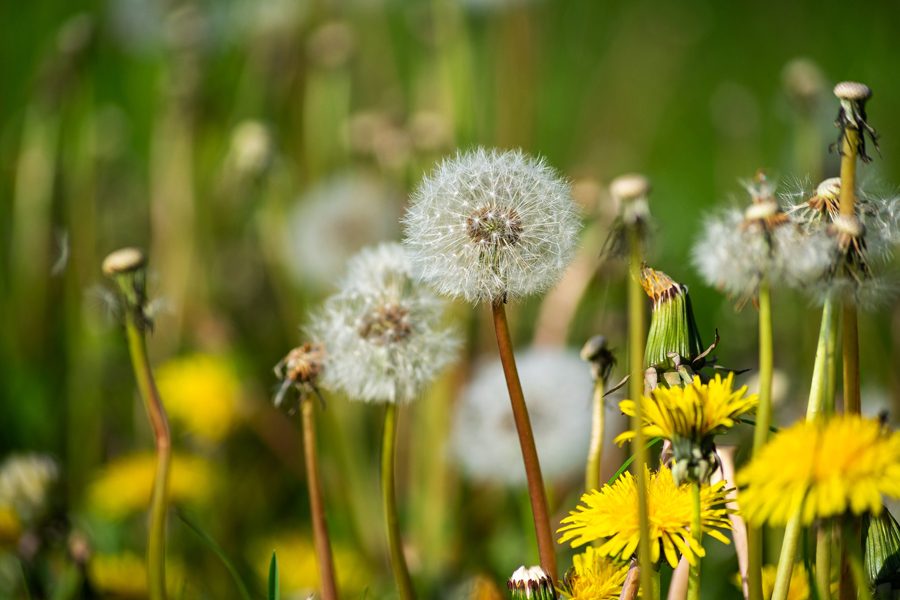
(494, 226)
(386, 324)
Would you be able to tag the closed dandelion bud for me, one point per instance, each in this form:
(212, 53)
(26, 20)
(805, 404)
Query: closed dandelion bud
(673, 334)
(882, 548)
(531, 584)
(489, 225)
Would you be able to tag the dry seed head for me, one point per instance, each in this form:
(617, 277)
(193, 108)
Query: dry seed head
(303, 364)
(829, 188)
(491, 225)
(123, 260)
(852, 91)
(629, 186)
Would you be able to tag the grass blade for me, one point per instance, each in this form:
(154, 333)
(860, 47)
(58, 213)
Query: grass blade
(217, 550)
(273, 578)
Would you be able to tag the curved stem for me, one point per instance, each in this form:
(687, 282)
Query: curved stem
(156, 542)
(636, 337)
(595, 452)
(760, 433)
(316, 504)
(536, 492)
(389, 497)
(697, 533)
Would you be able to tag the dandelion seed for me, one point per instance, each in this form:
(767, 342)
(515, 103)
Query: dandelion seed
(608, 516)
(490, 225)
(847, 464)
(558, 393)
(384, 332)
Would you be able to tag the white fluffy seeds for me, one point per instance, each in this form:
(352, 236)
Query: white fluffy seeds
(384, 332)
(491, 225)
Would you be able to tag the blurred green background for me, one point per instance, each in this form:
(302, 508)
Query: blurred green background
(252, 145)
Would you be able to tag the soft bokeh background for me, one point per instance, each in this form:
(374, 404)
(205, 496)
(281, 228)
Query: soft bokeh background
(251, 146)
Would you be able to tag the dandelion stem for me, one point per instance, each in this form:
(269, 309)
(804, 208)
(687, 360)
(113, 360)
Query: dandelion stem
(595, 452)
(389, 497)
(787, 557)
(761, 430)
(156, 543)
(635, 389)
(536, 490)
(697, 533)
(849, 145)
(316, 505)
(854, 557)
(823, 561)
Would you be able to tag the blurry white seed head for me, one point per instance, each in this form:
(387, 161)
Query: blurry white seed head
(251, 148)
(123, 260)
(334, 219)
(25, 483)
(385, 333)
(557, 386)
(490, 225)
(630, 192)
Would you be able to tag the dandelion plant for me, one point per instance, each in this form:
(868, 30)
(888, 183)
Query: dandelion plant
(492, 226)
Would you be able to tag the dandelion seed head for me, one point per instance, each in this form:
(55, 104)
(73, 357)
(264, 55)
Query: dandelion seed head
(123, 260)
(25, 484)
(384, 331)
(852, 91)
(557, 387)
(488, 225)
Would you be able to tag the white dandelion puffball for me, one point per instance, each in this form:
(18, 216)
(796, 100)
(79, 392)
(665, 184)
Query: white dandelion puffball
(491, 225)
(734, 257)
(333, 220)
(384, 333)
(25, 483)
(557, 386)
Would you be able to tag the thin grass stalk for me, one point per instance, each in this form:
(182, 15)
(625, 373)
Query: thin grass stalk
(760, 433)
(697, 533)
(321, 538)
(636, 336)
(389, 498)
(592, 474)
(536, 492)
(156, 543)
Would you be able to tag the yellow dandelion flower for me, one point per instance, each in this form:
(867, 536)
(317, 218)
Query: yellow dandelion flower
(10, 527)
(124, 485)
(609, 514)
(299, 570)
(821, 469)
(124, 575)
(799, 586)
(202, 393)
(693, 412)
(594, 577)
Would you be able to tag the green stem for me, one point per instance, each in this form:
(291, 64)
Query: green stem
(849, 147)
(156, 544)
(536, 492)
(636, 336)
(697, 533)
(595, 451)
(761, 430)
(389, 497)
(787, 557)
(823, 560)
(821, 391)
(854, 554)
(316, 504)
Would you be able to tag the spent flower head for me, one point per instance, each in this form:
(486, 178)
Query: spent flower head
(609, 516)
(738, 249)
(300, 369)
(557, 390)
(26, 481)
(822, 469)
(629, 193)
(384, 332)
(690, 417)
(491, 225)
